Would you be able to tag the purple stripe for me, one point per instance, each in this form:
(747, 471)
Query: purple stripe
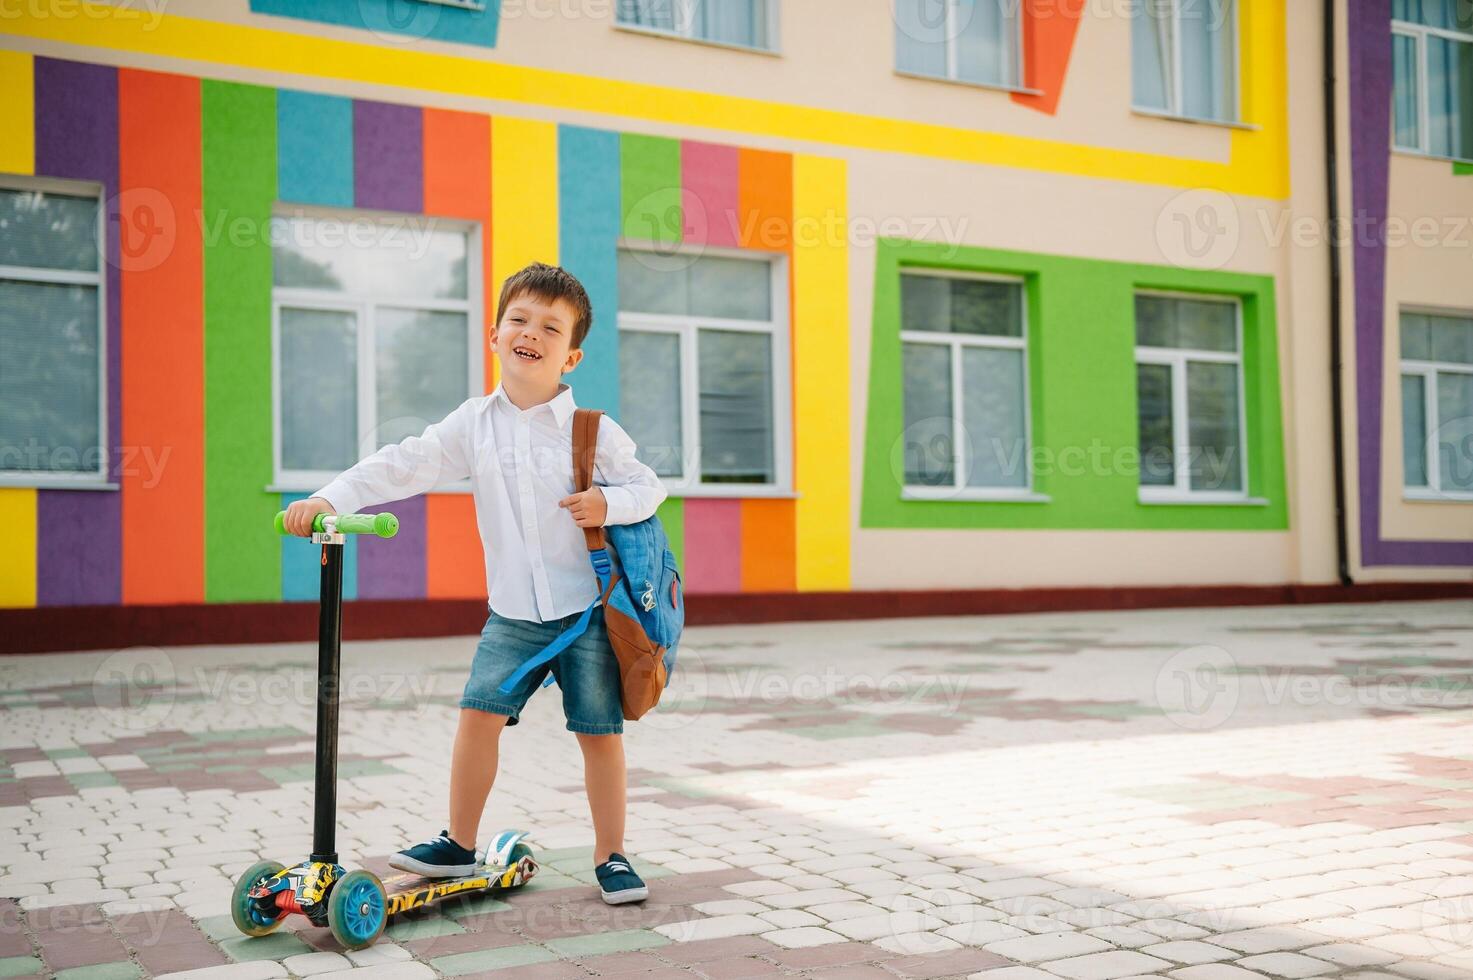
(79, 558)
(395, 569)
(1369, 27)
(388, 156)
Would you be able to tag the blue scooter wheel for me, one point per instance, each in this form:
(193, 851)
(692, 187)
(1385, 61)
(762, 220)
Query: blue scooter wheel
(356, 909)
(247, 916)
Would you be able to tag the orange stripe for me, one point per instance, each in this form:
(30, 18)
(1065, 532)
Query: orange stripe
(162, 477)
(769, 556)
(457, 169)
(456, 568)
(765, 199)
(1049, 27)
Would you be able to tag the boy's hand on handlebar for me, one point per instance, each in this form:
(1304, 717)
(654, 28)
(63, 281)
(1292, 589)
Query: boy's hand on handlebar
(588, 508)
(301, 513)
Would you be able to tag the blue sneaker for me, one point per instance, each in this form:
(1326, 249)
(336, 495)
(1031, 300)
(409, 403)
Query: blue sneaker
(618, 883)
(438, 857)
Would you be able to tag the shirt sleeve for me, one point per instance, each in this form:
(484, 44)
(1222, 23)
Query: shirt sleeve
(631, 489)
(419, 463)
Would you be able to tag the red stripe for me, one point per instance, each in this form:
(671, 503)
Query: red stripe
(713, 538)
(710, 200)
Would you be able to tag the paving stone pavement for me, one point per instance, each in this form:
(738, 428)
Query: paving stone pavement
(1194, 794)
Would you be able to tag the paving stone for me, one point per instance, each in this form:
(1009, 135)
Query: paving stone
(1190, 952)
(307, 964)
(607, 942)
(802, 936)
(1110, 965)
(382, 971)
(1049, 946)
(1351, 954)
(927, 966)
(124, 970)
(260, 970)
(1284, 964)
(717, 927)
(505, 957)
(277, 946)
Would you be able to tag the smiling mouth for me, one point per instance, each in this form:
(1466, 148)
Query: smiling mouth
(525, 354)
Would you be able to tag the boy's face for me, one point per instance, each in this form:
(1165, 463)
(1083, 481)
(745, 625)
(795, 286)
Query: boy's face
(534, 340)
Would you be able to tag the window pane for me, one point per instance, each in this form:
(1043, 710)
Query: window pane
(1452, 339)
(1207, 58)
(1157, 435)
(49, 378)
(929, 450)
(1449, 102)
(1448, 14)
(984, 41)
(731, 21)
(1416, 337)
(651, 282)
(648, 13)
(736, 406)
(920, 36)
(684, 284)
(969, 306)
(993, 413)
(1165, 321)
(1455, 431)
(925, 303)
(48, 231)
(408, 258)
(649, 404)
(1212, 425)
(1150, 54)
(1407, 115)
(420, 369)
(1414, 430)
(319, 389)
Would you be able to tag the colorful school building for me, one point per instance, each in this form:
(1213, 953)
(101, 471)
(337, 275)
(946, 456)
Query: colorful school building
(916, 306)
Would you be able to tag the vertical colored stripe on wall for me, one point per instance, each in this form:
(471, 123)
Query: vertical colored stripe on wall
(1049, 29)
(79, 560)
(162, 337)
(765, 200)
(768, 545)
(821, 407)
(314, 148)
(301, 563)
(713, 539)
(710, 202)
(456, 567)
(671, 513)
(457, 184)
(394, 568)
(17, 113)
(242, 555)
(524, 204)
(18, 547)
(588, 202)
(388, 156)
(650, 188)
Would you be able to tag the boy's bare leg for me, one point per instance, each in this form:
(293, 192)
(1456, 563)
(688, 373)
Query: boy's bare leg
(604, 779)
(472, 771)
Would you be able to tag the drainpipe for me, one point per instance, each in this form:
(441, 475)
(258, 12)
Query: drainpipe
(1337, 393)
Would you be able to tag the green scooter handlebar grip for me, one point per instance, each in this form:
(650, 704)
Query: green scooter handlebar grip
(384, 525)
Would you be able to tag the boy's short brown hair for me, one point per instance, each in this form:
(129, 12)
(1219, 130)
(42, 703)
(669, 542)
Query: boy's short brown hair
(550, 283)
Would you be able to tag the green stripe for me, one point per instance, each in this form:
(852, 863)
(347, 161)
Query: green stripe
(239, 190)
(671, 513)
(1461, 169)
(649, 181)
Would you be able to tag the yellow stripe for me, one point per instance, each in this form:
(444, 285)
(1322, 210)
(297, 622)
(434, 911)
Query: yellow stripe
(1264, 61)
(17, 547)
(524, 199)
(820, 376)
(1258, 166)
(17, 113)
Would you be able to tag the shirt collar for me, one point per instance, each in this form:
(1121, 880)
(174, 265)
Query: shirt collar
(561, 404)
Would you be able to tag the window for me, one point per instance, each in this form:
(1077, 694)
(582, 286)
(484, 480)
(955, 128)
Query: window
(375, 333)
(1432, 65)
(52, 338)
(963, 40)
(1437, 404)
(743, 23)
(1189, 385)
(964, 356)
(703, 341)
(1184, 58)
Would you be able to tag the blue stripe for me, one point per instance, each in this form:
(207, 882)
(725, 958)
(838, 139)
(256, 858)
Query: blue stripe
(314, 148)
(588, 232)
(301, 564)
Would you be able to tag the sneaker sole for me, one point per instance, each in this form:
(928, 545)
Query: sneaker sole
(627, 895)
(405, 863)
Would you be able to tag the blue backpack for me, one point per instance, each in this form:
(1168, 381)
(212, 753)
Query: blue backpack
(638, 585)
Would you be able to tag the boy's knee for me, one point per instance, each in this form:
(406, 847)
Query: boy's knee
(482, 721)
(598, 742)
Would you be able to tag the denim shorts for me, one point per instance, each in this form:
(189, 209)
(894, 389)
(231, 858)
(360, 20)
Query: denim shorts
(587, 672)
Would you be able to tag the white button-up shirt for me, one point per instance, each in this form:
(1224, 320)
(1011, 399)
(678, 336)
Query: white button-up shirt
(520, 464)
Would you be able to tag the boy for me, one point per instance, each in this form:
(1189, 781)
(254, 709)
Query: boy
(515, 447)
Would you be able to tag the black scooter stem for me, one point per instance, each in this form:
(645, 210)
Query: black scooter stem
(329, 646)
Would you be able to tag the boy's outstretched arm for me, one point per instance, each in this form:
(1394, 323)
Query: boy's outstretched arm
(630, 488)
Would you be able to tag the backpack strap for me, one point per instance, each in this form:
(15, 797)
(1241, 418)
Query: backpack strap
(585, 447)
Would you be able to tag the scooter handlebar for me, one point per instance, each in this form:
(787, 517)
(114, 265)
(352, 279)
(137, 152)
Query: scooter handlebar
(384, 525)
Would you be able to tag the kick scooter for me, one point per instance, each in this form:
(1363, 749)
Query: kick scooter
(355, 905)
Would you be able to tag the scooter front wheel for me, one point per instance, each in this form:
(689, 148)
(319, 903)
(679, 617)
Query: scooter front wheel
(244, 911)
(356, 909)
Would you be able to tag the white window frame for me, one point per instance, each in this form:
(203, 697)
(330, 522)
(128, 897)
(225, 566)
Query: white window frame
(684, 19)
(1014, 81)
(364, 307)
(1178, 84)
(687, 327)
(1419, 33)
(1428, 370)
(91, 479)
(956, 343)
(1177, 358)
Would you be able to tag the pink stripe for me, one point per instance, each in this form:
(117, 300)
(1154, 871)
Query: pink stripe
(713, 543)
(708, 176)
